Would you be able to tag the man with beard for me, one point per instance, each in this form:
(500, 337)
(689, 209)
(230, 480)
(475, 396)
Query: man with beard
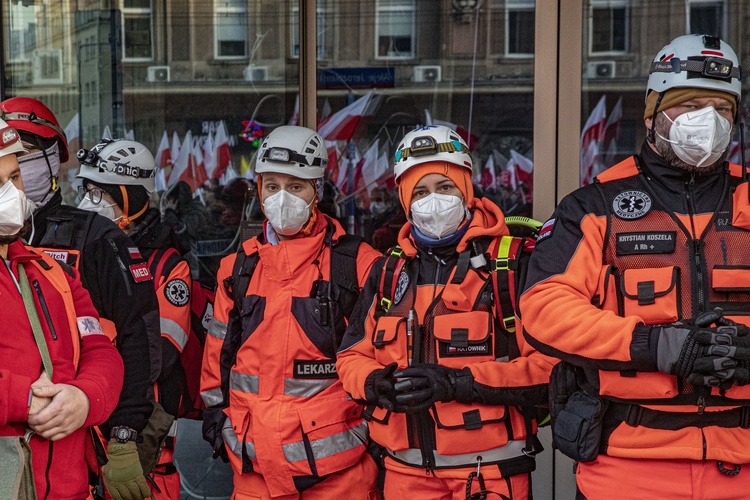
(640, 283)
(59, 373)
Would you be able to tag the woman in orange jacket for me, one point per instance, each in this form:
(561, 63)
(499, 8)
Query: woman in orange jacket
(426, 353)
(274, 402)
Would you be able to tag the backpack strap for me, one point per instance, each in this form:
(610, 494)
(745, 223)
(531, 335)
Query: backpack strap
(344, 271)
(503, 269)
(392, 267)
(237, 284)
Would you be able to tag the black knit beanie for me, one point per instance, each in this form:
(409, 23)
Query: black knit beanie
(137, 197)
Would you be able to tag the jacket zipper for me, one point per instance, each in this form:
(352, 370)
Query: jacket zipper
(45, 310)
(699, 306)
(425, 428)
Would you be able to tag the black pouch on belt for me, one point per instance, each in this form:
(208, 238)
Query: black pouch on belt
(577, 430)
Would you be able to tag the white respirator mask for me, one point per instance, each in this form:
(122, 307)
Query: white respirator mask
(13, 209)
(699, 137)
(438, 215)
(286, 213)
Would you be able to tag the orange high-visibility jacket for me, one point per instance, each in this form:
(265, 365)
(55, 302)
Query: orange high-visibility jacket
(645, 244)
(458, 327)
(288, 415)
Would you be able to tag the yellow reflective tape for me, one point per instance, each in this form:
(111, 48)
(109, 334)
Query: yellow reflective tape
(503, 250)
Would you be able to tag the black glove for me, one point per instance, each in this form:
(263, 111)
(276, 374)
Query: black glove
(419, 387)
(213, 422)
(379, 388)
(693, 350)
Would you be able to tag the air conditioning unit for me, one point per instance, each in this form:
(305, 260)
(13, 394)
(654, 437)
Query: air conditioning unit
(600, 69)
(425, 74)
(157, 74)
(256, 73)
(47, 67)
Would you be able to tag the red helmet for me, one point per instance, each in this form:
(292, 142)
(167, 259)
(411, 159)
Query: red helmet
(29, 115)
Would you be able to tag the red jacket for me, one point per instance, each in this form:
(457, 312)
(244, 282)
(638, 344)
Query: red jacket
(60, 467)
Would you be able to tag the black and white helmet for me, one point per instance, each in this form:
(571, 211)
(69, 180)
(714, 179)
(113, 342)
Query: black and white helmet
(119, 162)
(292, 150)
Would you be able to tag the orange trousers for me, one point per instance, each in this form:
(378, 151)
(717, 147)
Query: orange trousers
(358, 482)
(400, 486)
(165, 476)
(627, 478)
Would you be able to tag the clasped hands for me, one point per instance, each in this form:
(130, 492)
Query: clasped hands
(709, 350)
(56, 410)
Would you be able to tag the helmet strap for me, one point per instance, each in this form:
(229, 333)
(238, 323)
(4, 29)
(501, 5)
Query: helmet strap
(652, 130)
(126, 219)
(52, 177)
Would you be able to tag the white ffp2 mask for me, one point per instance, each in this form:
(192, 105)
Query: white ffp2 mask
(438, 215)
(102, 208)
(286, 213)
(13, 209)
(699, 137)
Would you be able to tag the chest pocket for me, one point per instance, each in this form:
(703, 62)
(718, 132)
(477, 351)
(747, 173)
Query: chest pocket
(390, 341)
(653, 294)
(464, 338)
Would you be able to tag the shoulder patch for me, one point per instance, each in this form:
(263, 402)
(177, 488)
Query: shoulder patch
(88, 325)
(177, 292)
(140, 272)
(546, 230)
(401, 286)
(630, 205)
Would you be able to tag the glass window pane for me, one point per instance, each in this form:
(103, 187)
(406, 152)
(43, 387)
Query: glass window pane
(231, 33)
(706, 19)
(521, 32)
(137, 37)
(138, 4)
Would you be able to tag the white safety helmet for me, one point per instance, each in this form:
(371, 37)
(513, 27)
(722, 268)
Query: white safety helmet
(431, 143)
(292, 150)
(119, 162)
(696, 61)
(10, 141)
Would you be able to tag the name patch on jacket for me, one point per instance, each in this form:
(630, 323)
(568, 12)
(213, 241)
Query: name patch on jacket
(646, 242)
(140, 272)
(315, 369)
(452, 351)
(61, 255)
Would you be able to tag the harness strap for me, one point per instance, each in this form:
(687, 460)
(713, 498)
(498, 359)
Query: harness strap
(387, 281)
(462, 267)
(503, 269)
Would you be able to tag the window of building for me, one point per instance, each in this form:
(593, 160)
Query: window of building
(395, 27)
(609, 27)
(320, 19)
(22, 31)
(230, 29)
(707, 17)
(137, 30)
(519, 28)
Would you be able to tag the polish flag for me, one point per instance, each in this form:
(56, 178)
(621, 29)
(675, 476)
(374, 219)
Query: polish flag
(221, 156)
(340, 126)
(523, 168)
(593, 129)
(373, 168)
(590, 163)
(488, 179)
(130, 135)
(198, 168)
(343, 169)
(181, 163)
(107, 134)
(163, 156)
(174, 150)
(209, 160)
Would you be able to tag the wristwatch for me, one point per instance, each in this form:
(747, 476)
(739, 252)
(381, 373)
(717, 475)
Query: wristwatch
(123, 434)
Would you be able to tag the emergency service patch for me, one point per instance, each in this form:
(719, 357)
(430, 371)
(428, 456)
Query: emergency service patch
(546, 230)
(88, 325)
(401, 286)
(315, 369)
(646, 242)
(208, 314)
(140, 272)
(60, 255)
(631, 205)
(135, 253)
(177, 292)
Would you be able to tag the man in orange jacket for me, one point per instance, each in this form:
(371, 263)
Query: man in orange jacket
(274, 402)
(117, 183)
(637, 282)
(59, 373)
(442, 381)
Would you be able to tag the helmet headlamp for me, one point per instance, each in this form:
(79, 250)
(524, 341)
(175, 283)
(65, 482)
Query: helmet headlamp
(422, 146)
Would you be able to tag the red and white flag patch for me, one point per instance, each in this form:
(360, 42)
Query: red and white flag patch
(135, 253)
(546, 230)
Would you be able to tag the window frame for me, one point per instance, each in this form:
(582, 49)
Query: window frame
(724, 17)
(608, 4)
(412, 8)
(223, 10)
(321, 14)
(517, 5)
(137, 12)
